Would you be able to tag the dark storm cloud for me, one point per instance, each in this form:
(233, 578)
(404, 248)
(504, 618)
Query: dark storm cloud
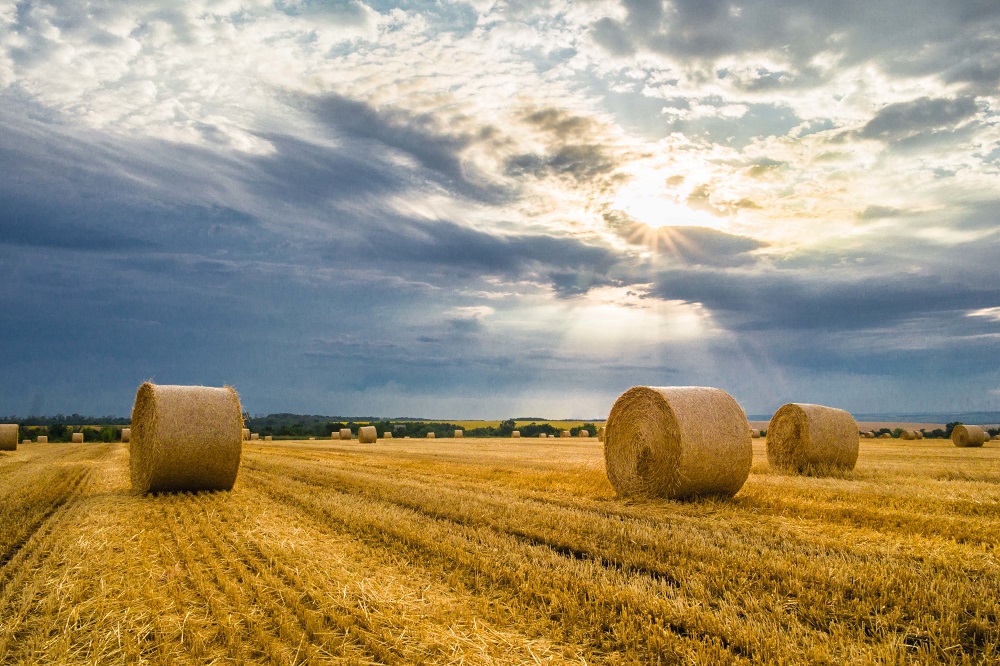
(906, 119)
(774, 301)
(906, 37)
(417, 135)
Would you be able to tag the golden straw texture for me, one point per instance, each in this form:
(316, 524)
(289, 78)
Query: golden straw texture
(254, 437)
(43, 439)
(459, 434)
(126, 435)
(677, 442)
(583, 432)
(515, 433)
(387, 434)
(431, 435)
(77, 438)
(966, 436)
(367, 434)
(564, 433)
(345, 433)
(600, 433)
(185, 438)
(8, 437)
(804, 437)
(908, 434)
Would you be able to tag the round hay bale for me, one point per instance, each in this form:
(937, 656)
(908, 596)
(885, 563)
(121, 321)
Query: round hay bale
(431, 435)
(583, 432)
(677, 442)
(908, 434)
(246, 433)
(311, 438)
(268, 438)
(802, 435)
(885, 435)
(600, 433)
(185, 438)
(920, 434)
(127, 435)
(345, 433)
(459, 434)
(26, 441)
(43, 439)
(387, 434)
(8, 437)
(564, 433)
(367, 434)
(77, 438)
(542, 435)
(254, 437)
(967, 436)
(515, 434)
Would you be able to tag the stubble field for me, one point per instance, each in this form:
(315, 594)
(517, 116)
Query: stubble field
(496, 552)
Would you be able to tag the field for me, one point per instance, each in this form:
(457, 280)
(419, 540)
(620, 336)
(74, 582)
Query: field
(496, 552)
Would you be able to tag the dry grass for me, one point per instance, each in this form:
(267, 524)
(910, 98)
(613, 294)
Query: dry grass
(497, 552)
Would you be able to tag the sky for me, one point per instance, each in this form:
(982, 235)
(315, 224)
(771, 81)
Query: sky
(491, 209)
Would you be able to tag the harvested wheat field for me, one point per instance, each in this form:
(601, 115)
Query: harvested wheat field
(496, 552)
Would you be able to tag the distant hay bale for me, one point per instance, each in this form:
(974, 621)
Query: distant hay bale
(43, 439)
(908, 434)
(600, 433)
(801, 436)
(127, 435)
(459, 434)
(542, 435)
(77, 438)
(967, 436)
(551, 435)
(515, 434)
(431, 435)
(583, 432)
(246, 433)
(367, 435)
(254, 437)
(345, 433)
(920, 434)
(754, 433)
(387, 434)
(311, 438)
(268, 438)
(8, 437)
(885, 435)
(564, 433)
(677, 442)
(185, 438)
(26, 441)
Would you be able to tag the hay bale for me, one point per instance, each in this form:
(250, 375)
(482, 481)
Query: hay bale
(600, 433)
(345, 433)
(908, 434)
(367, 434)
(254, 437)
(920, 434)
(311, 438)
(185, 438)
(677, 442)
(801, 436)
(387, 434)
(43, 439)
(564, 433)
(127, 435)
(431, 435)
(246, 434)
(542, 435)
(583, 432)
(8, 437)
(459, 434)
(967, 436)
(885, 435)
(77, 438)
(268, 438)
(26, 441)
(515, 433)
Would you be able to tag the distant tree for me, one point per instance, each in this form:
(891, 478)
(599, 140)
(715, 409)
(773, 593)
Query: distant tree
(57, 432)
(896, 433)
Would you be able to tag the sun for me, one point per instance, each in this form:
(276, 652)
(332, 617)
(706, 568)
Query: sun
(647, 200)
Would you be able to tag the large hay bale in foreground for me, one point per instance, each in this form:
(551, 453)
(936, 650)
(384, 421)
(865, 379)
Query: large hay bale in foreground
(515, 433)
(677, 442)
(43, 439)
(345, 433)
(431, 435)
(127, 435)
(801, 436)
(967, 436)
(459, 434)
(185, 438)
(77, 438)
(8, 437)
(367, 434)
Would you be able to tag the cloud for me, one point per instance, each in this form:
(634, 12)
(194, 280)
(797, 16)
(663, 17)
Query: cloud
(906, 119)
